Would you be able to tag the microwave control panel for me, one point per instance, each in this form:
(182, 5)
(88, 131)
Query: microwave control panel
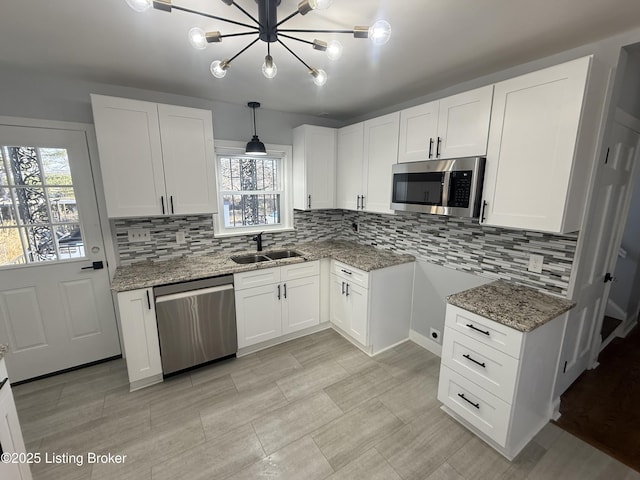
(460, 188)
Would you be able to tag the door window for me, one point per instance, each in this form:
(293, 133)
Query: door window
(39, 219)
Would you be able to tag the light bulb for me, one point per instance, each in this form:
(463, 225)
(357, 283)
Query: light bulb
(319, 76)
(219, 68)
(269, 68)
(139, 5)
(334, 50)
(380, 32)
(197, 38)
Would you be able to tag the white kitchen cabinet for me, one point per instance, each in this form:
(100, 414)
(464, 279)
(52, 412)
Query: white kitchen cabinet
(533, 179)
(140, 337)
(373, 309)
(11, 440)
(314, 167)
(276, 301)
(366, 153)
(155, 159)
(452, 127)
(498, 381)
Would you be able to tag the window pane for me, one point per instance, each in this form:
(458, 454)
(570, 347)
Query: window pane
(40, 246)
(267, 170)
(24, 168)
(248, 210)
(70, 244)
(63, 204)
(7, 213)
(55, 164)
(31, 205)
(3, 174)
(10, 247)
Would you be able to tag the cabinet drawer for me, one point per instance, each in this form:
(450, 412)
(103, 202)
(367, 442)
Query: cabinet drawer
(353, 275)
(491, 369)
(494, 334)
(299, 270)
(484, 411)
(256, 278)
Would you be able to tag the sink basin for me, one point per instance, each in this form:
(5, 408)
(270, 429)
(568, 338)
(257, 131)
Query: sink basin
(244, 259)
(283, 254)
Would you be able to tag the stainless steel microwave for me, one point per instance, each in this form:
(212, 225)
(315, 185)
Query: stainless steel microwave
(441, 187)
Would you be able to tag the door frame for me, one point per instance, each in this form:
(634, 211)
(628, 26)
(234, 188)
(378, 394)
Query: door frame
(107, 233)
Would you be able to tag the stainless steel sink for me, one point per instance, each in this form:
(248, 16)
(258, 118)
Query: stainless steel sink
(244, 259)
(283, 254)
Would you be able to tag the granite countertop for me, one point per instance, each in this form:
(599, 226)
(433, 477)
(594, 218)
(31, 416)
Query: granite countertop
(3, 349)
(193, 267)
(516, 306)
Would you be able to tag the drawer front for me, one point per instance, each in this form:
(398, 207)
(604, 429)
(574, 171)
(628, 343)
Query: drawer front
(299, 270)
(353, 275)
(487, 413)
(494, 334)
(487, 367)
(256, 278)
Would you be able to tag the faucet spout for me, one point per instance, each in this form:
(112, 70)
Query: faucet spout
(258, 240)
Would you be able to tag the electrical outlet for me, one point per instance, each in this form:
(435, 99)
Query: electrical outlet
(435, 335)
(139, 234)
(181, 237)
(535, 263)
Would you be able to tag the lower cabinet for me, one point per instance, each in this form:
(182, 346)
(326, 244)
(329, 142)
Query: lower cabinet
(372, 308)
(140, 337)
(11, 440)
(498, 381)
(275, 301)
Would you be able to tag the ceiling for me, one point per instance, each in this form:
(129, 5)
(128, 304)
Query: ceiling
(434, 44)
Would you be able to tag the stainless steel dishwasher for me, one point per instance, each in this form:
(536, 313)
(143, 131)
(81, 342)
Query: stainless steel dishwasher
(196, 322)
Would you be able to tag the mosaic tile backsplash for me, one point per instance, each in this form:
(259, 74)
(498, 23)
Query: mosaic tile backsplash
(457, 243)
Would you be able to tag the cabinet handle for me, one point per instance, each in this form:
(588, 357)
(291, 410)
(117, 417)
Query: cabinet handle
(470, 325)
(309, 205)
(342, 288)
(438, 147)
(162, 203)
(430, 147)
(3, 382)
(278, 292)
(484, 207)
(347, 290)
(285, 290)
(346, 271)
(362, 202)
(477, 405)
(468, 357)
(171, 201)
(148, 300)
(358, 203)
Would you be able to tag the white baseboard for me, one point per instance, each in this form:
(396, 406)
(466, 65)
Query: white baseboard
(425, 342)
(285, 338)
(614, 310)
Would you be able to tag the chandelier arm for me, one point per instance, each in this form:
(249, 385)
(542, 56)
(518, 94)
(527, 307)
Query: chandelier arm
(294, 38)
(242, 51)
(238, 34)
(302, 30)
(292, 53)
(207, 15)
(287, 18)
(245, 12)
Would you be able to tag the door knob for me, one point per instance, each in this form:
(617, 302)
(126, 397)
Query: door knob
(95, 266)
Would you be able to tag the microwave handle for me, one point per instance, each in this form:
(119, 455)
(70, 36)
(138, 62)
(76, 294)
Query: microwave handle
(446, 180)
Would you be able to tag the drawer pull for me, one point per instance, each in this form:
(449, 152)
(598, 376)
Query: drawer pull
(468, 357)
(477, 405)
(346, 271)
(470, 325)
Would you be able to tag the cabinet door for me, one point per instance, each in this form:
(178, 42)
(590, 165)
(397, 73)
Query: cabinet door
(11, 437)
(380, 153)
(349, 169)
(314, 167)
(463, 123)
(300, 304)
(534, 127)
(258, 314)
(188, 155)
(339, 314)
(418, 132)
(357, 298)
(130, 156)
(140, 333)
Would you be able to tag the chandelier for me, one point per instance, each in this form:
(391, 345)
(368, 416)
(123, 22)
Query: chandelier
(268, 29)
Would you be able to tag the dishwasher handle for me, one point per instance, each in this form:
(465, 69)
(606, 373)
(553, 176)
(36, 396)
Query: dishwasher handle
(193, 293)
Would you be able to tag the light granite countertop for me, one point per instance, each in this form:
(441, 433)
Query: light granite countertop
(3, 349)
(516, 306)
(194, 267)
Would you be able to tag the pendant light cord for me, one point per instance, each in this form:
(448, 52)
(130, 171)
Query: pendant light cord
(254, 121)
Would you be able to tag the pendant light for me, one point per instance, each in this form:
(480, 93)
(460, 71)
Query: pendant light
(255, 146)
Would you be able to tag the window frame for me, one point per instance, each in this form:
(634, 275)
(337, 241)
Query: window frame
(285, 152)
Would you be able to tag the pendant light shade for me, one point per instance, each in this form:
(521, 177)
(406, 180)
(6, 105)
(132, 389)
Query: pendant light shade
(255, 146)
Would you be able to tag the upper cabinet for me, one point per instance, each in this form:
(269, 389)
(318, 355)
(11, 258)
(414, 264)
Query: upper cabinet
(366, 152)
(155, 159)
(531, 150)
(314, 167)
(453, 127)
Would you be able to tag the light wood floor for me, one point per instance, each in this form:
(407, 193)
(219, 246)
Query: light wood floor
(313, 408)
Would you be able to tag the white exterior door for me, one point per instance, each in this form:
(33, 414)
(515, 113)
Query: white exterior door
(602, 234)
(55, 313)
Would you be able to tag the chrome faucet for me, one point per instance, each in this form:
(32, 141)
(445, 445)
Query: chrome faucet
(258, 239)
